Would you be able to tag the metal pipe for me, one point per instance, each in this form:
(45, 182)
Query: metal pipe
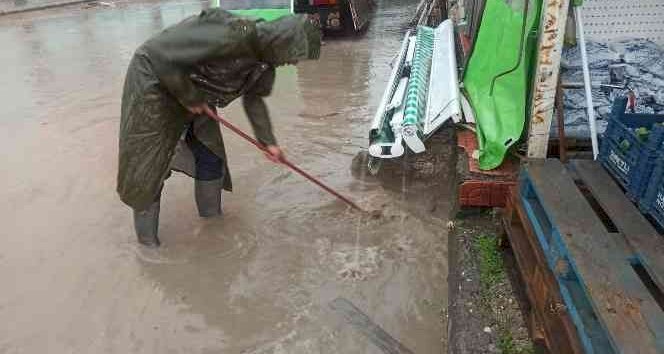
(580, 85)
(586, 81)
(377, 122)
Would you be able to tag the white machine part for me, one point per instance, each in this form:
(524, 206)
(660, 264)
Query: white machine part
(444, 97)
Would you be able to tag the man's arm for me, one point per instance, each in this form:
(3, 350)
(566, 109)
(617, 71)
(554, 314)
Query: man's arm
(259, 117)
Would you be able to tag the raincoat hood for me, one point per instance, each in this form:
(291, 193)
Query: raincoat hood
(288, 39)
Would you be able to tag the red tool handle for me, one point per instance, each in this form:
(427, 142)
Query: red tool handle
(283, 160)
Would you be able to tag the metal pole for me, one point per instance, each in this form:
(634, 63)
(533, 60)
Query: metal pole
(560, 116)
(586, 81)
(290, 165)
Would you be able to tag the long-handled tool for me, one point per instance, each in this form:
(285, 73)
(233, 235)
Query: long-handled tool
(283, 160)
(592, 121)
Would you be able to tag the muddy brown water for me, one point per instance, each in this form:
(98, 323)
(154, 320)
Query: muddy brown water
(257, 280)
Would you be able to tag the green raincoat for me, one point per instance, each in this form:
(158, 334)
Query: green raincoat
(214, 57)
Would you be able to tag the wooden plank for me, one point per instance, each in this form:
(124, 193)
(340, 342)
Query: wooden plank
(563, 336)
(560, 334)
(638, 232)
(549, 51)
(600, 260)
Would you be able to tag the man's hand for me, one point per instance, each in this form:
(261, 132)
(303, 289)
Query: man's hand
(274, 153)
(201, 109)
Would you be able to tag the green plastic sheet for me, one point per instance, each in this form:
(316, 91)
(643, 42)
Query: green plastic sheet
(265, 14)
(501, 115)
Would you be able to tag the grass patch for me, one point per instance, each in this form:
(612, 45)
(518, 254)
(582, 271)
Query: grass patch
(492, 292)
(507, 346)
(490, 261)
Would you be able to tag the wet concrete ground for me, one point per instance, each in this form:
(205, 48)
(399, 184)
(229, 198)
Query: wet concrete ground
(258, 280)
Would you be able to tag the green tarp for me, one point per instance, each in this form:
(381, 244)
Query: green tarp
(501, 115)
(265, 14)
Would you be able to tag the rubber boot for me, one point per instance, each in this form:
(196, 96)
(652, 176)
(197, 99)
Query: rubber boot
(208, 197)
(146, 224)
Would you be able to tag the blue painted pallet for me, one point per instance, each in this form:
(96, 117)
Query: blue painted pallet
(547, 315)
(612, 308)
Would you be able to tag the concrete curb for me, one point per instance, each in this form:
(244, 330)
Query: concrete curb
(44, 6)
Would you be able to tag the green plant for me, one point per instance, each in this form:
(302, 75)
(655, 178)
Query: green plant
(490, 261)
(507, 345)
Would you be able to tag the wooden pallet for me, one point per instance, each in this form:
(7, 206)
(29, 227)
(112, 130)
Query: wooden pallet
(592, 265)
(548, 317)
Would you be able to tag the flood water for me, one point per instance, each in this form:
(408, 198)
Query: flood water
(257, 280)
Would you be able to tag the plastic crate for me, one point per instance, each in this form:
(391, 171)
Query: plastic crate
(652, 203)
(630, 160)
